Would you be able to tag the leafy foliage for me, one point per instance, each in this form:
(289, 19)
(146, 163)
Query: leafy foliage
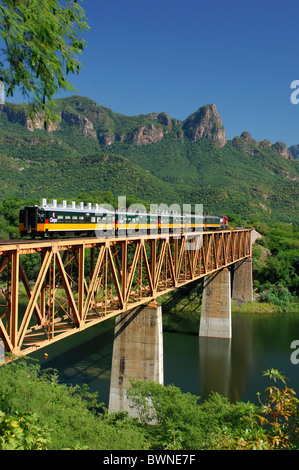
(276, 263)
(181, 423)
(279, 417)
(42, 41)
(281, 412)
(32, 403)
(23, 432)
(37, 412)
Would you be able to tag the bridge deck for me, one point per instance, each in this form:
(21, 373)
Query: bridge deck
(50, 289)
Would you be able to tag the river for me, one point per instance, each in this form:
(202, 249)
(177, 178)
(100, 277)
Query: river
(196, 365)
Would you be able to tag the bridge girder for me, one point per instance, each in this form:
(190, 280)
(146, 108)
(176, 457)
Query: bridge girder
(52, 289)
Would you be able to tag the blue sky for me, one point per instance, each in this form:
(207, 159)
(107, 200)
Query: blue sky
(175, 56)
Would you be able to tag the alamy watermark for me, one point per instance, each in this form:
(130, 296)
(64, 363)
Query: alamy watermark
(2, 93)
(295, 354)
(295, 344)
(295, 94)
(2, 352)
(136, 220)
(169, 217)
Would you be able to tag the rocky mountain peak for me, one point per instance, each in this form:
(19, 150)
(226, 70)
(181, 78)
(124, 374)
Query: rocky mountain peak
(283, 150)
(205, 123)
(250, 145)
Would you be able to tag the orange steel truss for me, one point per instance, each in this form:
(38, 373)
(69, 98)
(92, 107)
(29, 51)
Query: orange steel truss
(52, 289)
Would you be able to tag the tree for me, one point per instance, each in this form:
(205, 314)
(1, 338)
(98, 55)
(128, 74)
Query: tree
(182, 423)
(40, 44)
(281, 413)
(279, 419)
(23, 432)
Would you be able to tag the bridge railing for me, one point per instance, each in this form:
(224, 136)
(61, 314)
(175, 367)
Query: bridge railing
(52, 289)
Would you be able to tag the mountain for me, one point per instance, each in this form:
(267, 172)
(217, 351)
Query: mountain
(294, 149)
(157, 158)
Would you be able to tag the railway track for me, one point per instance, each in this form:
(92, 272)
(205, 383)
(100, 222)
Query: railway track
(38, 242)
(18, 241)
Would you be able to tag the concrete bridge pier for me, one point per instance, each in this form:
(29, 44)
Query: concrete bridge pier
(215, 319)
(137, 352)
(218, 290)
(242, 281)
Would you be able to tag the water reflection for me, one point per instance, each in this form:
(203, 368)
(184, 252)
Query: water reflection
(233, 367)
(214, 365)
(197, 365)
(224, 364)
(84, 358)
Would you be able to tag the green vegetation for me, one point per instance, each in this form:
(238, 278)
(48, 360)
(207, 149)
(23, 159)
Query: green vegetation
(93, 149)
(275, 263)
(38, 413)
(91, 157)
(226, 180)
(9, 209)
(40, 43)
(275, 274)
(34, 403)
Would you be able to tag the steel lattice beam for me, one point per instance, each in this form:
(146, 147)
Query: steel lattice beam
(81, 282)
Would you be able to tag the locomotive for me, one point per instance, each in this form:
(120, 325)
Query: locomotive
(53, 220)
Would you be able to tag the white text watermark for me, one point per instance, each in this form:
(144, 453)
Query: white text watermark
(295, 94)
(2, 352)
(135, 220)
(295, 354)
(2, 93)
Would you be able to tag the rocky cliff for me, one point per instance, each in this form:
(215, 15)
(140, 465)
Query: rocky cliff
(144, 136)
(88, 118)
(205, 124)
(151, 156)
(82, 123)
(250, 145)
(19, 114)
(282, 149)
(92, 120)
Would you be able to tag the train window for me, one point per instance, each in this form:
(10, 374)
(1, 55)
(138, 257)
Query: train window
(74, 218)
(81, 217)
(60, 217)
(93, 219)
(67, 217)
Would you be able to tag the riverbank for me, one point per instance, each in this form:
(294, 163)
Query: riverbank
(193, 368)
(182, 314)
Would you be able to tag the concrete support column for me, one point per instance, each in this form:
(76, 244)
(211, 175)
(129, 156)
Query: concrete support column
(215, 319)
(137, 352)
(242, 281)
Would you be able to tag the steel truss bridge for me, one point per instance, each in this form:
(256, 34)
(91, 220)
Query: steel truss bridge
(52, 289)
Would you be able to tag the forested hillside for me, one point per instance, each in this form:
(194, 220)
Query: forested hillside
(94, 155)
(154, 157)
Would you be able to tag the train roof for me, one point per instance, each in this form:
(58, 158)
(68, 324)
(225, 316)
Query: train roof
(74, 207)
(97, 208)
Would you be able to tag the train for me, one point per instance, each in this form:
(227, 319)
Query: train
(51, 220)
